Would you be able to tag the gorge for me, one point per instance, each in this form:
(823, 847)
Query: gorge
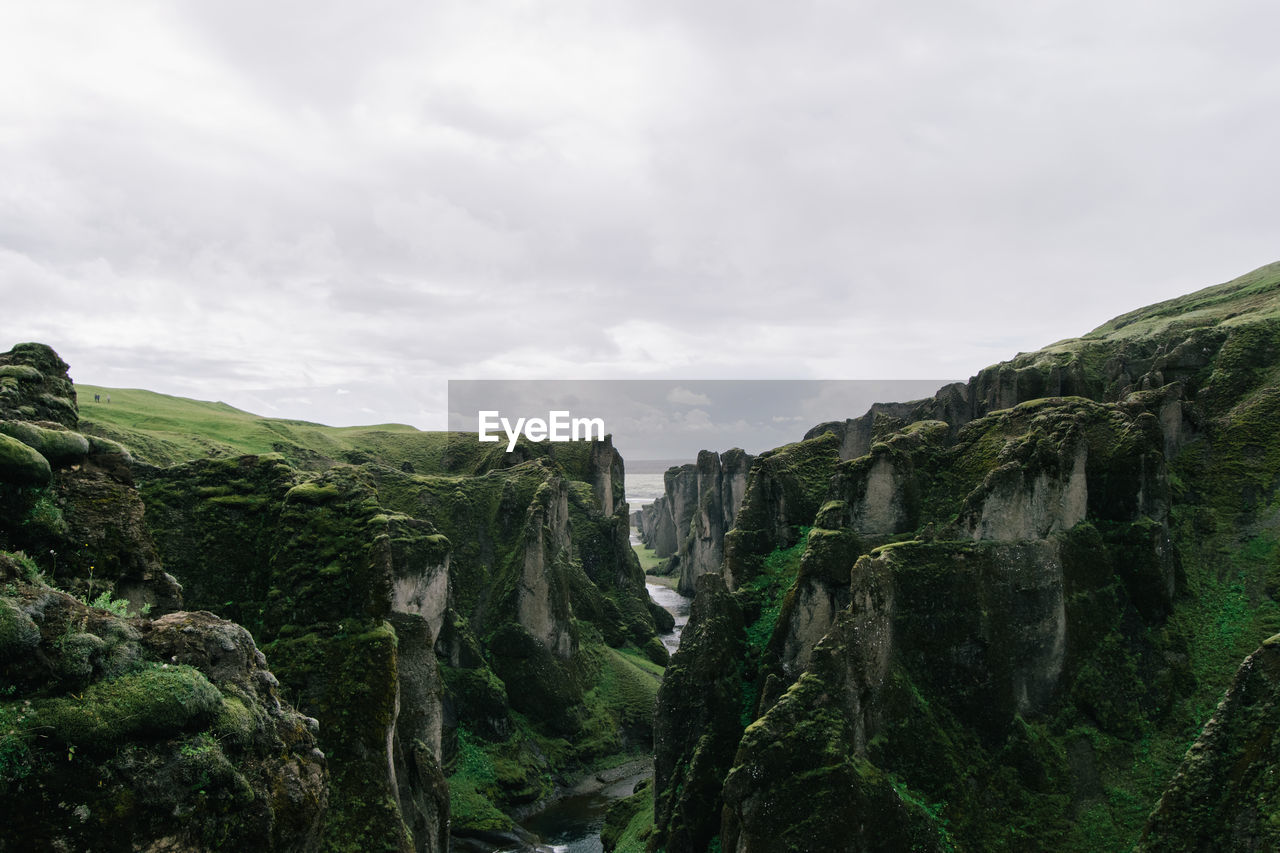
(1030, 612)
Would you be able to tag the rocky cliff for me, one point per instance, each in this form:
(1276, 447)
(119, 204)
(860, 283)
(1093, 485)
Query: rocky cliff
(1224, 795)
(992, 620)
(464, 630)
(488, 608)
(698, 506)
(160, 730)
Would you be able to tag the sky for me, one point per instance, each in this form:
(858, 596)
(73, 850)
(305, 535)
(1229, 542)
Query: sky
(327, 210)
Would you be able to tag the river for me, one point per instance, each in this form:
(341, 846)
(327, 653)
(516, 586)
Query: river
(572, 824)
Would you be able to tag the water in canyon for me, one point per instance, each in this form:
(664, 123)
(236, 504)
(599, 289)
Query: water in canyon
(572, 824)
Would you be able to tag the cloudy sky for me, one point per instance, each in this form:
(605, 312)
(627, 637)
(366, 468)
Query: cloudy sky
(325, 210)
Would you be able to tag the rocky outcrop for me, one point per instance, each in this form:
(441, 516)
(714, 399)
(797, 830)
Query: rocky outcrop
(129, 734)
(699, 504)
(70, 498)
(961, 615)
(34, 386)
(786, 488)
(698, 721)
(542, 604)
(801, 779)
(721, 484)
(349, 599)
(858, 434)
(1225, 793)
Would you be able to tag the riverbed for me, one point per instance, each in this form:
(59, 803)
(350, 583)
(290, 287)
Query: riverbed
(572, 824)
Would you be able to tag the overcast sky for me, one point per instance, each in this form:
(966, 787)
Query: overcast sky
(325, 210)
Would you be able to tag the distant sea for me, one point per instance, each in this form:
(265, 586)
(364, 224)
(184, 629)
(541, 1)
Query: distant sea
(643, 489)
(644, 479)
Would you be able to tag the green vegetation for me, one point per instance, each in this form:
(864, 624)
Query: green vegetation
(473, 788)
(649, 560)
(159, 699)
(763, 598)
(628, 824)
(1165, 572)
(165, 430)
(522, 763)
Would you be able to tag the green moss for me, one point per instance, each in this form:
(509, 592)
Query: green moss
(312, 493)
(762, 598)
(216, 524)
(346, 678)
(471, 809)
(628, 823)
(22, 466)
(236, 722)
(18, 633)
(23, 372)
(58, 446)
(796, 478)
(160, 699)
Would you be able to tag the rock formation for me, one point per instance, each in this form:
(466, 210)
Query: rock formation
(122, 732)
(986, 620)
(1224, 794)
(698, 506)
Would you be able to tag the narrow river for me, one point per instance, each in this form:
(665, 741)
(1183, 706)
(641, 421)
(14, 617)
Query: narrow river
(573, 823)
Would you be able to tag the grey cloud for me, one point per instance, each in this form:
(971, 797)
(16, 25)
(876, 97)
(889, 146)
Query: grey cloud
(292, 197)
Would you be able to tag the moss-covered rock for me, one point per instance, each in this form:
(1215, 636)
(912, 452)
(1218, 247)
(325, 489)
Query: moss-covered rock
(159, 700)
(105, 543)
(20, 465)
(110, 727)
(698, 725)
(59, 445)
(215, 523)
(18, 633)
(347, 679)
(786, 489)
(1225, 794)
(34, 386)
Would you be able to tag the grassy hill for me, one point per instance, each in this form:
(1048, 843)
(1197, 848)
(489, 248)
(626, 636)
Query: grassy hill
(165, 430)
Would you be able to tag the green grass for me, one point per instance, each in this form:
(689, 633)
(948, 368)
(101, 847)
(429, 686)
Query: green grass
(165, 430)
(470, 787)
(649, 559)
(1250, 298)
(765, 594)
(635, 833)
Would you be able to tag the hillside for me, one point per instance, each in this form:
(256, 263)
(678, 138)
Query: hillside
(996, 619)
(454, 634)
(164, 430)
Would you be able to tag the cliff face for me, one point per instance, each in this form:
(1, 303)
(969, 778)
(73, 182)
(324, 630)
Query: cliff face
(479, 614)
(991, 619)
(699, 505)
(120, 732)
(360, 577)
(70, 497)
(1224, 795)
